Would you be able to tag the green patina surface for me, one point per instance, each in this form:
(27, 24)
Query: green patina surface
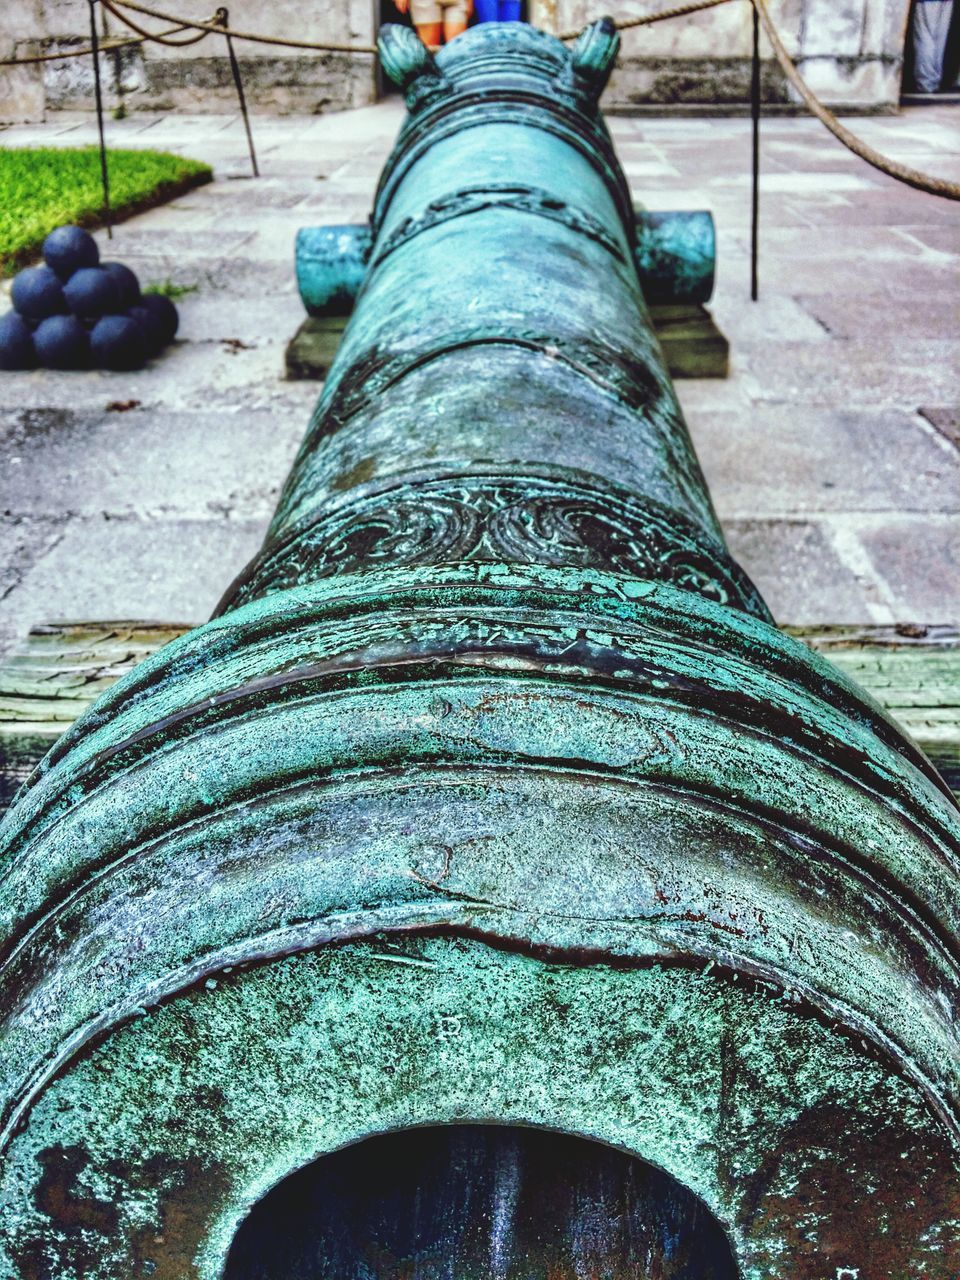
(675, 254)
(495, 680)
(303, 1057)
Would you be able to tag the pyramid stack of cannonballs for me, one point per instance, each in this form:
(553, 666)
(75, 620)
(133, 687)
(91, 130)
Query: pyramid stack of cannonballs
(77, 312)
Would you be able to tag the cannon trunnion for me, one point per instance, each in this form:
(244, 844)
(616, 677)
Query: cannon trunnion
(491, 797)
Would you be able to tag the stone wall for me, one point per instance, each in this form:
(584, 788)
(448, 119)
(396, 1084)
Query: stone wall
(850, 51)
(196, 78)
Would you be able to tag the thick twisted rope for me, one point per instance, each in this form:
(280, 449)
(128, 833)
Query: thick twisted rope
(158, 37)
(115, 42)
(648, 19)
(84, 51)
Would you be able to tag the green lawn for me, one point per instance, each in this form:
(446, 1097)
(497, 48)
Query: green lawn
(44, 187)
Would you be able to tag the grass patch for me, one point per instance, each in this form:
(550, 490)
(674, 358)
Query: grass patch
(44, 187)
(167, 289)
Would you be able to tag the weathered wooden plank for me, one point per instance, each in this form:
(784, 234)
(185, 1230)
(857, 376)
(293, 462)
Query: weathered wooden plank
(693, 346)
(57, 672)
(913, 672)
(61, 668)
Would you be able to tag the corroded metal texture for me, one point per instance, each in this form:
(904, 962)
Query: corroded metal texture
(675, 254)
(492, 795)
(331, 263)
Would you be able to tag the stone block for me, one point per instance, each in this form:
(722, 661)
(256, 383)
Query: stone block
(832, 28)
(21, 88)
(99, 568)
(920, 563)
(69, 83)
(798, 573)
(885, 27)
(22, 96)
(61, 17)
(873, 82)
(668, 80)
(280, 83)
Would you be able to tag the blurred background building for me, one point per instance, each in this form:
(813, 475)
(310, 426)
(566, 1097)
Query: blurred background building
(852, 53)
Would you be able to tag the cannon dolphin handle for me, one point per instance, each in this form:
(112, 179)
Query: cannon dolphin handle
(491, 795)
(675, 255)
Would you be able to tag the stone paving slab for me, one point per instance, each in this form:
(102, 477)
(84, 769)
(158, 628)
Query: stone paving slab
(207, 374)
(826, 461)
(899, 207)
(844, 317)
(24, 540)
(79, 463)
(830, 449)
(881, 373)
(917, 558)
(169, 570)
(795, 566)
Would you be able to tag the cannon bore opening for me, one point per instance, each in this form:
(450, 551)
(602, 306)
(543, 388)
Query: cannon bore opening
(480, 1203)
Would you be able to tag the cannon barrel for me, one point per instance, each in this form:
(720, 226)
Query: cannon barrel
(491, 796)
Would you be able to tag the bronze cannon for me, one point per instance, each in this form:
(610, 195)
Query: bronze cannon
(490, 888)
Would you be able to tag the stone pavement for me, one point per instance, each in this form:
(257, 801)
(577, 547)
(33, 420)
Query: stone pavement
(832, 450)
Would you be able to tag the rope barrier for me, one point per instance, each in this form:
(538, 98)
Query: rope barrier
(901, 172)
(84, 52)
(156, 37)
(105, 46)
(283, 41)
(892, 168)
(648, 19)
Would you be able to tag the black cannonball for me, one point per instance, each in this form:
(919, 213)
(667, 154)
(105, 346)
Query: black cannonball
(164, 314)
(61, 342)
(16, 343)
(38, 293)
(68, 249)
(91, 293)
(126, 281)
(151, 329)
(118, 342)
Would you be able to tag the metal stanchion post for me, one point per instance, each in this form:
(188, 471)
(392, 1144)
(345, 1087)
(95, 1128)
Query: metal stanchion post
(98, 93)
(223, 18)
(755, 114)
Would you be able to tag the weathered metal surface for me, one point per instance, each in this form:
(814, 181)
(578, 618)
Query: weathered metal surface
(674, 254)
(330, 265)
(494, 679)
(60, 669)
(692, 345)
